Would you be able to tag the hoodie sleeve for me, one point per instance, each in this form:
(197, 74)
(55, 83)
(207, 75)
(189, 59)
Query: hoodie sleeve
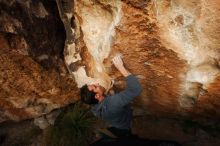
(133, 89)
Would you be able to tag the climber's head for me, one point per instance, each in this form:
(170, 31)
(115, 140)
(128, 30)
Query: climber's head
(92, 94)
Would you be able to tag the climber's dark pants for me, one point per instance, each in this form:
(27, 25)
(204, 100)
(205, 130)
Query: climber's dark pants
(113, 132)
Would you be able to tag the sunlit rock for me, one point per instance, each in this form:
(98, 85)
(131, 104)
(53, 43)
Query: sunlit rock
(51, 49)
(171, 47)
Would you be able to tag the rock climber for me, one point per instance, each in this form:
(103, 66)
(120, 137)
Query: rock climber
(114, 109)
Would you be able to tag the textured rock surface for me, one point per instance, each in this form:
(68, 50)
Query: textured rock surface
(33, 79)
(172, 46)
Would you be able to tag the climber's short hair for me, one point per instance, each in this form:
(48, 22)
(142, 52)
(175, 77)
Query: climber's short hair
(87, 96)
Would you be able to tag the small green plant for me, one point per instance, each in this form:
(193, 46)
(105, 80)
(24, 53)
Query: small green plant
(73, 127)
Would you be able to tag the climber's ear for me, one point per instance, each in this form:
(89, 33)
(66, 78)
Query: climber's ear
(97, 96)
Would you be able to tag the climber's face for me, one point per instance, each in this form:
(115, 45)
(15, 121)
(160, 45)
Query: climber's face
(98, 89)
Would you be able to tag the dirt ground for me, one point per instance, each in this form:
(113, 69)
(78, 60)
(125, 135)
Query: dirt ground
(187, 133)
(23, 133)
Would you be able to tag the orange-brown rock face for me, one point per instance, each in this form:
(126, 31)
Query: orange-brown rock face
(27, 90)
(171, 46)
(33, 80)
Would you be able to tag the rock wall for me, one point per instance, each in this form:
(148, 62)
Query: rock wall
(172, 46)
(33, 77)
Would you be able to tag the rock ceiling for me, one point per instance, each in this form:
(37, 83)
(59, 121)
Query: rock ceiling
(172, 46)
